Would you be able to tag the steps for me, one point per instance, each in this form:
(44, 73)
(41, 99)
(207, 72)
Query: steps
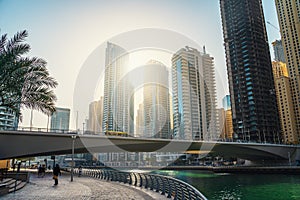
(10, 185)
(8, 181)
(18, 186)
(3, 186)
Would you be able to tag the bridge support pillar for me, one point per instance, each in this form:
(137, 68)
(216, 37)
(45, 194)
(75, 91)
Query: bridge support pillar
(297, 157)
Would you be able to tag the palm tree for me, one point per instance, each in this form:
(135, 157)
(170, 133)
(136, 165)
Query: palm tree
(24, 81)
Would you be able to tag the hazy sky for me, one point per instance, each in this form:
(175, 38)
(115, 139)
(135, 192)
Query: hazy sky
(66, 32)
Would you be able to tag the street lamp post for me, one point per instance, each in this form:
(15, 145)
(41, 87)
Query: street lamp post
(264, 136)
(83, 128)
(48, 123)
(72, 165)
(31, 117)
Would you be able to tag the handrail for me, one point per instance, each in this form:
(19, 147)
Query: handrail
(38, 129)
(165, 185)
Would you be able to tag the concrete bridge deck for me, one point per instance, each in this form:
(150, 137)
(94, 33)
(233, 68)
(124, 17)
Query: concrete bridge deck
(24, 144)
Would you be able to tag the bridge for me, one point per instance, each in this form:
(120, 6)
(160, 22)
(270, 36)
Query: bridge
(17, 144)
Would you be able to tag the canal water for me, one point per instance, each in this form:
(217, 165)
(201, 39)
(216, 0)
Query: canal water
(241, 186)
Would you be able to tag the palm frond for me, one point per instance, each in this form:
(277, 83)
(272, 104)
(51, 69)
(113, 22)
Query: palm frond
(18, 38)
(24, 82)
(3, 42)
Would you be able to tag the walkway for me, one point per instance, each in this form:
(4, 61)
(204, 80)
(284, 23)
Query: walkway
(80, 188)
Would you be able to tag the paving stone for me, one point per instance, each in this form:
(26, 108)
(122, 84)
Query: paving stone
(81, 188)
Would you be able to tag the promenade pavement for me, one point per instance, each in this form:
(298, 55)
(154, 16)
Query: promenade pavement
(81, 188)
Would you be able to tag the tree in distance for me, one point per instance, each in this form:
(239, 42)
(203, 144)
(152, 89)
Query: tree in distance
(24, 81)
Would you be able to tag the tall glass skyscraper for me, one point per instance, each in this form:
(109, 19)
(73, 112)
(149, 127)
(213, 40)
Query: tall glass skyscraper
(189, 114)
(156, 104)
(226, 102)
(278, 51)
(139, 122)
(94, 124)
(60, 120)
(207, 64)
(117, 103)
(251, 85)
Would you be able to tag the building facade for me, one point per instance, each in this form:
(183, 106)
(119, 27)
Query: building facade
(251, 85)
(226, 102)
(95, 117)
(285, 104)
(228, 125)
(279, 69)
(207, 64)
(8, 119)
(139, 122)
(60, 120)
(189, 114)
(278, 51)
(156, 104)
(117, 102)
(221, 123)
(288, 12)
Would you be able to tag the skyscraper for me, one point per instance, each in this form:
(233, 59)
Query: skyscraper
(221, 123)
(117, 111)
(207, 64)
(251, 85)
(139, 122)
(278, 51)
(8, 119)
(95, 116)
(60, 120)
(228, 126)
(189, 114)
(156, 101)
(288, 12)
(226, 102)
(285, 103)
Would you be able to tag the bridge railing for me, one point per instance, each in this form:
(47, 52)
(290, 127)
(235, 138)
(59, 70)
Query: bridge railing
(165, 185)
(50, 130)
(38, 129)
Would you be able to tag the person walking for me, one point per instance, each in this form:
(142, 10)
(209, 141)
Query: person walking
(43, 171)
(39, 171)
(79, 171)
(56, 172)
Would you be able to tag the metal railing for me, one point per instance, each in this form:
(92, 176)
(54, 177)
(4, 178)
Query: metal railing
(50, 130)
(37, 129)
(167, 186)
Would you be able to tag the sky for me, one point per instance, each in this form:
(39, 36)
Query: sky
(66, 32)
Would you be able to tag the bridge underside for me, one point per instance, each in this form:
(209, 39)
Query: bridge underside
(29, 144)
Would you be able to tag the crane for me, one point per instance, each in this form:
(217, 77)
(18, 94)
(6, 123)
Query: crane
(273, 26)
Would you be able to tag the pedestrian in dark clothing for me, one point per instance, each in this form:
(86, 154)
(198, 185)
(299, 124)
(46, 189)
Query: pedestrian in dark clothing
(43, 171)
(40, 171)
(56, 172)
(19, 166)
(79, 171)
